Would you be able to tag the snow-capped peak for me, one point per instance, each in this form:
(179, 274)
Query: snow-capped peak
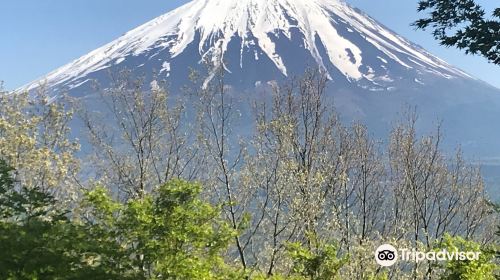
(216, 22)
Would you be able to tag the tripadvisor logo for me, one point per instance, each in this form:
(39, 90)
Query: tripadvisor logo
(387, 255)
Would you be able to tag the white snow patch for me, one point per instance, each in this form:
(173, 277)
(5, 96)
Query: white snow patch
(120, 60)
(385, 78)
(165, 67)
(154, 85)
(79, 84)
(382, 59)
(419, 81)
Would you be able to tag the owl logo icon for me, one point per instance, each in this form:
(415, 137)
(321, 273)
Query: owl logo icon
(386, 255)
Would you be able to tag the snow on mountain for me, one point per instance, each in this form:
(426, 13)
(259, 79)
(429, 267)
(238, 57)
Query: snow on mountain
(374, 72)
(332, 32)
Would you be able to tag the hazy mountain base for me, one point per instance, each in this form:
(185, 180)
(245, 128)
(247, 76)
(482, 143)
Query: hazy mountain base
(467, 118)
(491, 175)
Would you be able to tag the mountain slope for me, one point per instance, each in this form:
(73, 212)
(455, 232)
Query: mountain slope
(333, 35)
(374, 71)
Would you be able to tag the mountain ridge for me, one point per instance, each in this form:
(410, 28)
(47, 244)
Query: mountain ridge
(258, 23)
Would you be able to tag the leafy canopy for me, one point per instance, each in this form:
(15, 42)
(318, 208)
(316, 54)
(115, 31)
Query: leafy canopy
(463, 24)
(168, 234)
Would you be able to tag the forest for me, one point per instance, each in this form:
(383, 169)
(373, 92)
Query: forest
(164, 189)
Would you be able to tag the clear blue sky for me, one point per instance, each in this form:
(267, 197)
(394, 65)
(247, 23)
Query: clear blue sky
(37, 36)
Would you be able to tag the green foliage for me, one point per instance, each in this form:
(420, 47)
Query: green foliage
(6, 186)
(463, 24)
(318, 263)
(169, 234)
(37, 241)
(482, 269)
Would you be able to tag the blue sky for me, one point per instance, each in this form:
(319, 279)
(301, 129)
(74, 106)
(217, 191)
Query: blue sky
(37, 36)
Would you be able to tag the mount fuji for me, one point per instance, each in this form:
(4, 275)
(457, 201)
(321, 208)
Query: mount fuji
(374, 72)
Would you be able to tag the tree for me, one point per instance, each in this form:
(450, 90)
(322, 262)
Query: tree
(223, 154)
(463, 24)
(144, 143)
(37, 239)
(35, 141)
(313, 175)
(167, 234)
(433, 195)
(321, 262)
(294, 169)
(484, 268)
